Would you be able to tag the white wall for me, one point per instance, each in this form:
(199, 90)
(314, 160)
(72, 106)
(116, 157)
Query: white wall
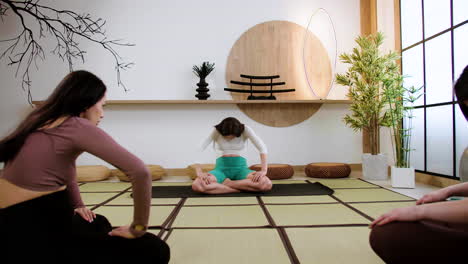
(170, 37)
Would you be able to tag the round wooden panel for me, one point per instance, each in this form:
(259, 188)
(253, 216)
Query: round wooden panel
(276, 48)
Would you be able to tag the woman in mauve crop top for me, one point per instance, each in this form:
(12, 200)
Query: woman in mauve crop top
(46, 162)
(231, 173)
(40, 155)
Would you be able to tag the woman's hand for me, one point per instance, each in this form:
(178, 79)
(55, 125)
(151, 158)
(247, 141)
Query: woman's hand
(123, 231)
(258, 175)
(412, 213)
(87, 214)
(435, 196)
(205, 177)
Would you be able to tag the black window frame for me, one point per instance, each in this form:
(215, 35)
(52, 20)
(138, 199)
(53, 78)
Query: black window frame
(426, 106)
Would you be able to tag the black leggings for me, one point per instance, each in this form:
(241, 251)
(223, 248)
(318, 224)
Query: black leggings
(45, 229)
(419, 242)
(93, 239)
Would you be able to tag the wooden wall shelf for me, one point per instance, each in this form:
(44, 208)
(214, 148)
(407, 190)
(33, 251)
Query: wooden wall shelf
(125, 102)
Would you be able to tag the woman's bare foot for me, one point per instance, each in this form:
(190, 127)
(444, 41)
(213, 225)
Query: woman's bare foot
(227, 182)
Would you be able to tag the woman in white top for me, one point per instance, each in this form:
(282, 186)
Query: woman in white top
(231, 173)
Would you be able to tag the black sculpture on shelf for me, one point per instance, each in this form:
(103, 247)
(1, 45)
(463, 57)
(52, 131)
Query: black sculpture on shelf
(252, 91)
(202, 91)
(202, 72)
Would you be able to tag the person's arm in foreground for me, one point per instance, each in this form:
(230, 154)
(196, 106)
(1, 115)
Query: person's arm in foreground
(95, 141)
(77, 203)
(432, 206)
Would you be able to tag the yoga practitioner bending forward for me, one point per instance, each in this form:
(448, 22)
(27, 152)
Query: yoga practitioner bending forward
(42, 216)
(231, 173)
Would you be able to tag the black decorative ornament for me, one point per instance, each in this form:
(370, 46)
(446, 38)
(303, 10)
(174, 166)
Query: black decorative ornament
(202, 90)
(202, 72)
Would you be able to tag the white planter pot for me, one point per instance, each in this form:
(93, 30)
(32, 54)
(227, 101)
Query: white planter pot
(374, 167)
(402, 177)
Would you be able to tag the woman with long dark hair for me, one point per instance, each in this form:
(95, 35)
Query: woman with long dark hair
(231, 173)
(435, 230)
(42, 216)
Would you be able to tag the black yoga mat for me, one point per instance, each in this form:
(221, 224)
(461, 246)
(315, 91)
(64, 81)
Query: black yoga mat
(293, 189)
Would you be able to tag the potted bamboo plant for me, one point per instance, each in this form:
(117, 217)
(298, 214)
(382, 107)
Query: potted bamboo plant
(365, 78)
(400, 101)
(202, 72)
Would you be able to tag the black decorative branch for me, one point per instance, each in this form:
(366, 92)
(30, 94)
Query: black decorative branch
(65, 27)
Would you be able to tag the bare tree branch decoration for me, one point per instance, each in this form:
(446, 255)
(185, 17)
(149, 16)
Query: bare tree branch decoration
(65, 27)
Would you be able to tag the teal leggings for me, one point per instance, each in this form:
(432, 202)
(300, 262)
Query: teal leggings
(234, 168)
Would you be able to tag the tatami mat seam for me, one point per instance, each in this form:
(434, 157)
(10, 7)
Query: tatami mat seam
(289, 247)
(110, 199)
(352, 208)
(284, 237)
(171, 218)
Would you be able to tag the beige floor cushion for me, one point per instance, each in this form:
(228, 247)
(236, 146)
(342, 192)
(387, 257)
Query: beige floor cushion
(276, 171)
(205, 168)
(156, 171)
(92, 173)
(327, 170)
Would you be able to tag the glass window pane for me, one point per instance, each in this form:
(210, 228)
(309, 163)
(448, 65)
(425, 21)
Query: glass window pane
(411, 22)
(439, 139)
(460, 39)
(412, 63)
(436, 16)
(417, 140)
(461, 134)
(439, 70)
(460, 13)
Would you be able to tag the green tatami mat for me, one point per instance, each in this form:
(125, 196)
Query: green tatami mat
(126, 199)
(104, 186)
(221, 200)
(123, 215)
(345, 183)
(375, 210)
(298, 199)
(221, 216)
(333, 245)
(96, 198)
(227, 246)
(314, 214)
(369, 195)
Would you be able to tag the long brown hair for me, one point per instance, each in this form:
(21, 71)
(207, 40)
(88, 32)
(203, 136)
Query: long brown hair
(230, 126)
(77, 92)
(461, 91)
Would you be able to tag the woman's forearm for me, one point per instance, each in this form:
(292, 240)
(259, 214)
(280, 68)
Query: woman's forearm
(263, 158)
(460, 189)
(447, 211)
(198, 169)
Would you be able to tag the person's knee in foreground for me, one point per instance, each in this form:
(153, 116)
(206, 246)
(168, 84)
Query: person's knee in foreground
(231, 173)
(39, 178)
(433, 231)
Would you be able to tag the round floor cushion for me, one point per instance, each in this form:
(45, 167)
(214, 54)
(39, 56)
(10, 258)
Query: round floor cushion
(92, 173)
(276, 171)
(205, 168)
(327, 170)
(156, 172)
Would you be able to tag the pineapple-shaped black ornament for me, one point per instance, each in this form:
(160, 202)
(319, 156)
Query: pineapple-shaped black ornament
(202, 72)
